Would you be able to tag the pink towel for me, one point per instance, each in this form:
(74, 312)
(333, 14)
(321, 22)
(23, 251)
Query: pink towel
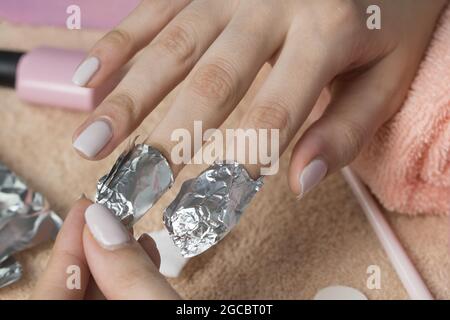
(407, 166)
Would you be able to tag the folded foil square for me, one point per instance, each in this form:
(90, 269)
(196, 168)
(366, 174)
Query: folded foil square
(140, 176)
(209, 206)
(25, 221)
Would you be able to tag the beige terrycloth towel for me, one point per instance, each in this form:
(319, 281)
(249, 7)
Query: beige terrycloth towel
(281, 249)
(407, 166)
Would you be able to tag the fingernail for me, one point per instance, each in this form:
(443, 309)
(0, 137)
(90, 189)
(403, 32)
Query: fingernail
(106, 228)
(85, 71)
(93, 138)
(311, 175)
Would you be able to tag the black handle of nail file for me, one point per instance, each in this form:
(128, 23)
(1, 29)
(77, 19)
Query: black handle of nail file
(8, 66)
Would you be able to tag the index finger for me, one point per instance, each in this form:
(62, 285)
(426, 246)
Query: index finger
(119, 45)
(67, 258)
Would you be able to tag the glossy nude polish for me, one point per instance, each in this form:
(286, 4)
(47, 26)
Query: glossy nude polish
(43, 76)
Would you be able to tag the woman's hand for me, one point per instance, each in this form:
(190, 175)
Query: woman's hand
(127, 270)
(219, 46)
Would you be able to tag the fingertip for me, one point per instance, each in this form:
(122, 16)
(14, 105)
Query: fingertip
(81, 203)
(74, 219)
(127, 272)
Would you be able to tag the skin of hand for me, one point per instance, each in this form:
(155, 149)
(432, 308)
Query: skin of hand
(127, 272)
(217, 48)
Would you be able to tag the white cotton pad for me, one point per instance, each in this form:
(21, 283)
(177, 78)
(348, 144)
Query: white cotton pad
(172, 262)
(339, 293)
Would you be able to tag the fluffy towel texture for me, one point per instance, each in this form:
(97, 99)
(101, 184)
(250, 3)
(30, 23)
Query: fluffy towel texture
(407, 166)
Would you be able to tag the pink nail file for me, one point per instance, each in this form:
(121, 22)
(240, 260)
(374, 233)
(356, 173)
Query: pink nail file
(409, 276)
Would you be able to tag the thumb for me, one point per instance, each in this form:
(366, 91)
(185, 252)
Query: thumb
(120, 266)
(353, 116)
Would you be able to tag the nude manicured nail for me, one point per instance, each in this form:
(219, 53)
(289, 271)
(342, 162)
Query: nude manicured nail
(93, 138)
(311, 175)
(106, 228)
(85, 71)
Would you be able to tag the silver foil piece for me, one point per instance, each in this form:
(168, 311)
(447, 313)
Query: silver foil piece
(25, 231)
(140, 176)
(25, 221)
(10, 272)
(209, 206)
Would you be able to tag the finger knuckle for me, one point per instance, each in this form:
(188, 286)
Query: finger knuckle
(256, 22)
(354, 136)
(123, 106)
(271, 115)
(216, 80)
(162, 11)
(343, 12)
(119, 38)
(345, 16)
(179, 41)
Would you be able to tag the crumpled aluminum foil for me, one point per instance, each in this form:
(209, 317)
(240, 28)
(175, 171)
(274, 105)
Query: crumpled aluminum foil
(209, 206)
(140, 176)
(25, 221)
(21, 232)
(10, 272)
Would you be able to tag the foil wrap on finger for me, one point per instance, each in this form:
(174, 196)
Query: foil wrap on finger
(25, 221)
(137, 180)
(209, 206)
